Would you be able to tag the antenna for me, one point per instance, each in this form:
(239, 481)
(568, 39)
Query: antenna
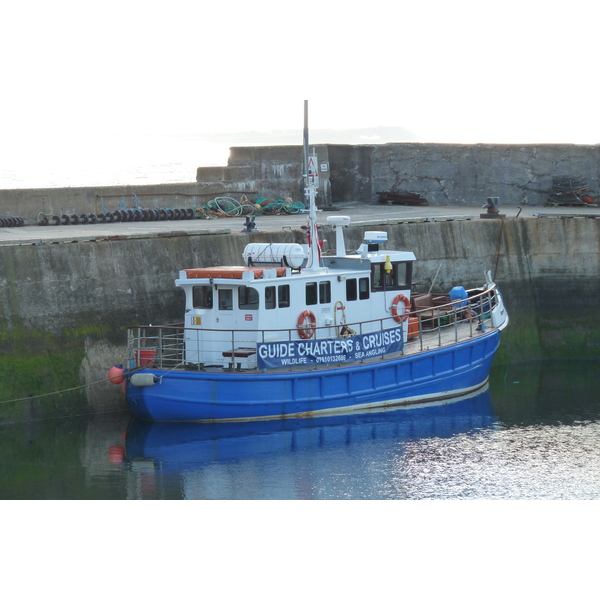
(311, 174)
(305, 152)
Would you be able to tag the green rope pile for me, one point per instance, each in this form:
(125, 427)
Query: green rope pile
(224, 206)
(278, 207)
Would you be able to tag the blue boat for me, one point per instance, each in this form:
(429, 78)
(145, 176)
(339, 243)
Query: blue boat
(293, 333)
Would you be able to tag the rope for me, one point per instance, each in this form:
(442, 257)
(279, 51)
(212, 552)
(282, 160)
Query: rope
(79, 387)
(172, 369)
(225, 206)
(203, 213)
(280, 206)
(498, 249)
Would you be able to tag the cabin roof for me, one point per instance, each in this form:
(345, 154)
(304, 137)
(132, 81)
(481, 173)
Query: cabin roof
(231, 272)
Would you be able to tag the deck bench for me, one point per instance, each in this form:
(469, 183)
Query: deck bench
(243, 353)
(240, 352)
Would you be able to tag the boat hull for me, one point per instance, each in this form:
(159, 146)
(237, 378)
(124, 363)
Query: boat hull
(429, 376)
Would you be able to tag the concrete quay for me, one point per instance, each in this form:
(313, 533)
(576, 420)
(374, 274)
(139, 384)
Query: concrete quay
(360, 214)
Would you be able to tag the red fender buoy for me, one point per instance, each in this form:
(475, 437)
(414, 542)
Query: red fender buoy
(115, 374)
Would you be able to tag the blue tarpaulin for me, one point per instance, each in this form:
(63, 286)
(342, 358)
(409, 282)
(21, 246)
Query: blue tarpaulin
(459, 293)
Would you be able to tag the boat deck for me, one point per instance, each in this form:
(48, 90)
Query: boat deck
(163, 348)
(445, 335)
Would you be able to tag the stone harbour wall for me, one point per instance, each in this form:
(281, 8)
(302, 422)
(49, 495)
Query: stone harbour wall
(468, 174)
(451, 174)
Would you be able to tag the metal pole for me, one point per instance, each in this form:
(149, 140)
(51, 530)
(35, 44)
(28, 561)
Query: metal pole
(435, 277)
(314, 261)
(305, 173)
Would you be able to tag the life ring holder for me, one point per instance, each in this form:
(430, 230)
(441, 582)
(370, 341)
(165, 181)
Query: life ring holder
(339, 305)
(342, 330)
(400, 318)
(307, 330)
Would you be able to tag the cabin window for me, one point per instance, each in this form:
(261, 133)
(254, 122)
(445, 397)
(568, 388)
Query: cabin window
(351, 290)
(325, 292)
(404, 275)
(248, 298)
(283, 296)
(399, 278)
(202, 296)
(376, 271)
(225, 299)
(363, 288)
(311, 293)
(270, 297)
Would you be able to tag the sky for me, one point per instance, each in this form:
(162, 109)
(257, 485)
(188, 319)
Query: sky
(78, 73)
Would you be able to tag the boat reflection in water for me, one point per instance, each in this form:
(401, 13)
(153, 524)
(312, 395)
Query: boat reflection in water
(198, 460)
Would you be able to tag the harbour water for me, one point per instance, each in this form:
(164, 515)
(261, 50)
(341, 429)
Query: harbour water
(533, 434)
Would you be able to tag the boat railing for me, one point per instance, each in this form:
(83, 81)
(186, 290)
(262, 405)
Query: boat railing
(177, 347)
(452, 321)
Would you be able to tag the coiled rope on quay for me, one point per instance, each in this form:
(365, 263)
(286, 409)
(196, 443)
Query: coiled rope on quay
(225, 206)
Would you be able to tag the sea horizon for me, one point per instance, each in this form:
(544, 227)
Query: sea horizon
(168, 159)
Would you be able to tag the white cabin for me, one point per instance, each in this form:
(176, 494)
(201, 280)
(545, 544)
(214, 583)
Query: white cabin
(274, 297)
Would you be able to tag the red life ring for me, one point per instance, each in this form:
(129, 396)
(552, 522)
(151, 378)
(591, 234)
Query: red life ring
(400, 298)
(307, 330)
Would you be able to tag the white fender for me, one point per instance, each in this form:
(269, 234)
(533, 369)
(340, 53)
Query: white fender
(143, 379)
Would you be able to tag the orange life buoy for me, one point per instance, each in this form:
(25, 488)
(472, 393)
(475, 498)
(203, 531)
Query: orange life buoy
(400, 298)
(307, 329)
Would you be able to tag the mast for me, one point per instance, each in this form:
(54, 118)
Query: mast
(305, 151)
(311, 181)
